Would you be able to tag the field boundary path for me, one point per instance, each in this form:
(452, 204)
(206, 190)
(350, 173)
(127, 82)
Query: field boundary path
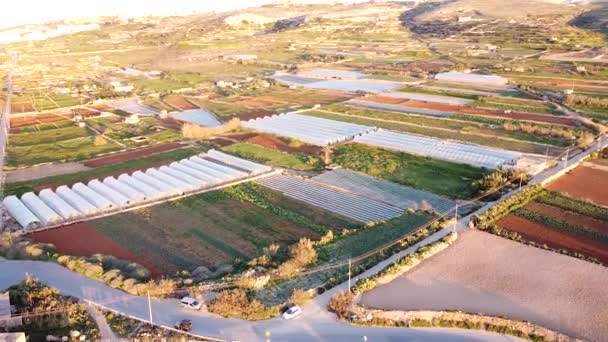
(105, 331)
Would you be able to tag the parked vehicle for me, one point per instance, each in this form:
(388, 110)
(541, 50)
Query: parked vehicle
(292, 312)
(191, 303)
(184, 325)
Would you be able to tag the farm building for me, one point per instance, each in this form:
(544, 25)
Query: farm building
(472, 79)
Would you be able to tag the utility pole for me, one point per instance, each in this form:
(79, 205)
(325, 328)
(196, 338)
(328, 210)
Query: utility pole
(349, 266)
(455, 219)
(149, 307)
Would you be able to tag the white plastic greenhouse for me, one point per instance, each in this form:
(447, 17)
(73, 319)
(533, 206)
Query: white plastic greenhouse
(109, 193)
(253, 168)
(76, 201)
(215, 166)
(46, 215)
(60, 206)
(160, 185)
(150, 192)
(99, 201)
(21, 213)
(134, 195)
(309, 129)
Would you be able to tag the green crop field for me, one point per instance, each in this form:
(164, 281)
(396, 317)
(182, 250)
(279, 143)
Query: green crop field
(351, 245)
(60, 151)
(274, 157)
(440, 177)
(208, 229)
(48, 136)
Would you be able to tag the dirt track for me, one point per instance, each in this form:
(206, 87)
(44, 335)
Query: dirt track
(483, 273)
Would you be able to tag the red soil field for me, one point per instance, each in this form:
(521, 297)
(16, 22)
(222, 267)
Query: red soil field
(479, 111)
(179, 102)
(80, 239)
(554, 238)
(21, 107)
(385, 99)
(133, 154)
(280, 144)
(584, 183)
(253, 114)
(569, 217)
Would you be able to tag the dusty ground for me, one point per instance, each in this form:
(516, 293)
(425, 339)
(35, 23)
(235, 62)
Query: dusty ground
(483, 273)
(45, 170)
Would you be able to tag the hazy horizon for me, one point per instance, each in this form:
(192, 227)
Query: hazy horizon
(35, 12)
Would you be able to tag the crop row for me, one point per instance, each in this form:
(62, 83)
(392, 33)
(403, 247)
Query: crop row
(562, 225)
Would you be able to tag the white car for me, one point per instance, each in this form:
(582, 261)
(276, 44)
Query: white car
(191, 303)
(292, 312)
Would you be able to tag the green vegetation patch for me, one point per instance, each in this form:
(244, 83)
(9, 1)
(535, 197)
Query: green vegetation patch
(437, 176)
(48, 136)
(209, 229)
(274, 157)
(66, 150)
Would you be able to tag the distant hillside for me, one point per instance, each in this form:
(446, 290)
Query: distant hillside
(596, 19)
(499, 9)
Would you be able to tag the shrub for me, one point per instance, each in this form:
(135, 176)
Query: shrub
(193, 131)
(300, 297)
(236, 303)
(341, 303)
(300, 255)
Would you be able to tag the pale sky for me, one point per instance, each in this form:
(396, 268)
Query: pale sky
(18, 12)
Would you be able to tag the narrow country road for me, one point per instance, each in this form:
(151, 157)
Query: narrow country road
(105, 331)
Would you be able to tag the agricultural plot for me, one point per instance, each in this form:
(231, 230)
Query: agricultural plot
(134, 107)
(469, 129)
(316, 131)
(429, 98)
(437, 176)
(339, 201)
(516, 105)
(204, 230)
(513, 280)
(55, 145)
(274, 157)
(382, 191)
(585, 182)
(147, 131)
(367, 85)
(114, 194)
(440, 149)
(197, 116)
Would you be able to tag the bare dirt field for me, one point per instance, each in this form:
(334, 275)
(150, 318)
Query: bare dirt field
(483, 273)
(179, 102)
(584, 182)
(44, 170)
(80, 239)
(554, 238)
(134, 154)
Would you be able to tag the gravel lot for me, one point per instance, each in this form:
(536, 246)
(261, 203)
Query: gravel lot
(483, 273)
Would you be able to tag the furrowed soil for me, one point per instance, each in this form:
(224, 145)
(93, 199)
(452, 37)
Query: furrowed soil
(484, 273)
(134, 154)
(550, 211)
(584, 182)
(281, 144)
(80, 239)
(554, 238)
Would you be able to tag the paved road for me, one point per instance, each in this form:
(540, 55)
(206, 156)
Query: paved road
(315, 325)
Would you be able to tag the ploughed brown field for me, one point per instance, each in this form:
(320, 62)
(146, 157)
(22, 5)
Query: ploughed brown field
(179, 102)
(588, 182)
(133, 154)
(484, 273)
(554, 238)
(80, 239)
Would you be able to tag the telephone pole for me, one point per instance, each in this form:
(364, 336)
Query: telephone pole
(150, 307)
(349, 266)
